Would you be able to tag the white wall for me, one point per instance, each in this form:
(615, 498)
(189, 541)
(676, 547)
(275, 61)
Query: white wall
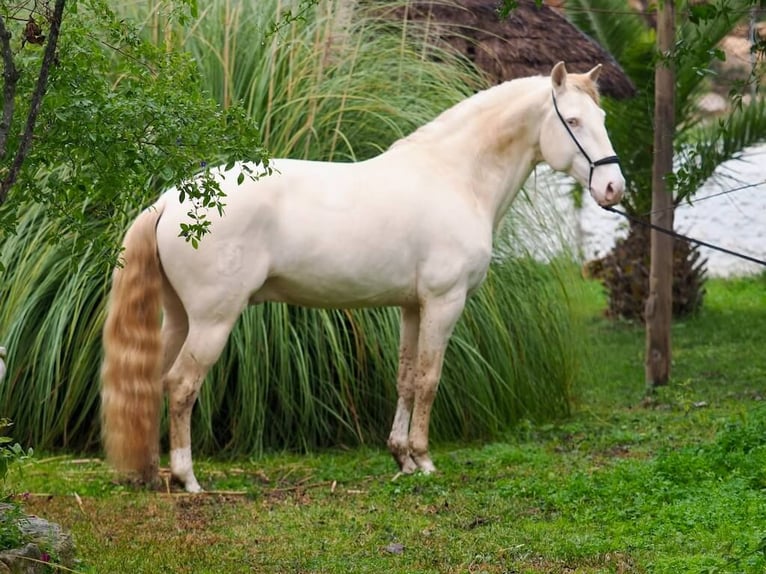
(735, 220)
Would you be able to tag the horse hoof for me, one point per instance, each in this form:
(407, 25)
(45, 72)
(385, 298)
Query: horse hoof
(188, 483)
(403, 460)
(425, 464)
(408, 466)
(193, 487)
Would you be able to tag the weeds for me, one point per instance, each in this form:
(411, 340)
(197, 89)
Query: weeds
(11, 515)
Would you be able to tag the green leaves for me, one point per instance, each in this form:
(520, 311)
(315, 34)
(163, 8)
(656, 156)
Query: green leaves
(11, 453)
(702, 12)
(122, 119)
(701, 145)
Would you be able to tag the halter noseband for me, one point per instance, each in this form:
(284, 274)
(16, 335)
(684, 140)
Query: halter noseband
(593, 164)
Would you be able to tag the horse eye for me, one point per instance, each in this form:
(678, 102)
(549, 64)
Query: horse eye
(573, 122)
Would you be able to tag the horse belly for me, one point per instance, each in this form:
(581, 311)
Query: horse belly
(340, 282)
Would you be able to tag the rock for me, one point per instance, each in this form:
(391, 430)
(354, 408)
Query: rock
(49, 535)
(43, 541)
(395, 548)
(26, 560)
(713, 104)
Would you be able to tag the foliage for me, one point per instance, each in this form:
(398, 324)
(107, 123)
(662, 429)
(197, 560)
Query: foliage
(10, 533)
(121, 119)
(11, 453)
(672, 486)
(52, 313)
(624, 271)
(338, 83)
(701, 145)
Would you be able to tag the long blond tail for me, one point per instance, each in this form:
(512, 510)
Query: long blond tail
(131, 388)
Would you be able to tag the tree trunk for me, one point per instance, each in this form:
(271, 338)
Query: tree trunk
(49, 56)
(659, 304)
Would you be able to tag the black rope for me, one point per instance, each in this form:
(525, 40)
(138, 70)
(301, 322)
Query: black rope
(695, 200)
(684, 237)
(593, 164)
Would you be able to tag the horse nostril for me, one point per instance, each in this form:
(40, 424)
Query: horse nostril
(610, 192)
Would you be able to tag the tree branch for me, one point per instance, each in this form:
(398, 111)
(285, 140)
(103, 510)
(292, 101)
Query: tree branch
(37, 100)
(10, 78)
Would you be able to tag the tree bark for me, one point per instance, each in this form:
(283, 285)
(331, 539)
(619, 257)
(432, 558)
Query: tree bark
(659, 304)
(10, 79)
(37, 99)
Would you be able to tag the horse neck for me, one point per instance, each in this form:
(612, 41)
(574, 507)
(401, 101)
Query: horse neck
(491, 140)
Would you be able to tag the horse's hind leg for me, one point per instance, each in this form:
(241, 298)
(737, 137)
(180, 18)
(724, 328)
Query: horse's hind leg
(200, 351)
(175, 328)
(398, 442)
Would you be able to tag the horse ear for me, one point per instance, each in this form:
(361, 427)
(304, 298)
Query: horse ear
(594, 73)
(559, 76)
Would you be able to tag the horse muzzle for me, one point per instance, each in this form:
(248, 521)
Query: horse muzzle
(611, 194)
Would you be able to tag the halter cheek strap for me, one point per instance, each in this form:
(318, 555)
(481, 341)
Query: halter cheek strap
(593, 164)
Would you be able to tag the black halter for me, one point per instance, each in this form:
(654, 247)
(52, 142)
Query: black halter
(593, 164)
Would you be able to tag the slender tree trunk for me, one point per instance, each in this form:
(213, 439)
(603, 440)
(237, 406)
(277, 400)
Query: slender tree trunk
(10, 79)
(659, 304)
(9, 178)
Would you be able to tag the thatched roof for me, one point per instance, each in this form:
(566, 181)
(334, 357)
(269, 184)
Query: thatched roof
(529, 42)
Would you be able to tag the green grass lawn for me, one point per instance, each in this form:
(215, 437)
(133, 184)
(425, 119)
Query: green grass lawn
(672, 483)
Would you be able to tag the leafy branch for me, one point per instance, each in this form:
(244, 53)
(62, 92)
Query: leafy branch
(22, 150)
(120, 120)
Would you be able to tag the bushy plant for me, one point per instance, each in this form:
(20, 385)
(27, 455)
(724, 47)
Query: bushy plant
(11, 453)
(121, 119)
(701, 143)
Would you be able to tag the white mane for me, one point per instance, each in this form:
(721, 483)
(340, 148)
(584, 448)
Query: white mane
(497, 97)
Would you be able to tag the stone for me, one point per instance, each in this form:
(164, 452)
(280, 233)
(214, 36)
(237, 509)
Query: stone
(43, 541)
(49, 535)
(25, 560)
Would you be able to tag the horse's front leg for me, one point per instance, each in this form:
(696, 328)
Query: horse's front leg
(398, 440)
(437, 320)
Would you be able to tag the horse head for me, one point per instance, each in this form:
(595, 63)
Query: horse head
(573, 138)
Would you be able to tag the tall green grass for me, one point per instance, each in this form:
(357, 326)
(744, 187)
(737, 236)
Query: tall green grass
(332, 85)
(51, 313)
(337, 83)
(290, 377)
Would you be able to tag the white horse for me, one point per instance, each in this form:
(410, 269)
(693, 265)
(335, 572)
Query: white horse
(411, 227)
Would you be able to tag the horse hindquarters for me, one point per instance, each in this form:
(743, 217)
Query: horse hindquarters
(206, 290)
(131, 393)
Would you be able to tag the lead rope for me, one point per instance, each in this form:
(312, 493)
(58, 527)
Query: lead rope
(685, 237)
